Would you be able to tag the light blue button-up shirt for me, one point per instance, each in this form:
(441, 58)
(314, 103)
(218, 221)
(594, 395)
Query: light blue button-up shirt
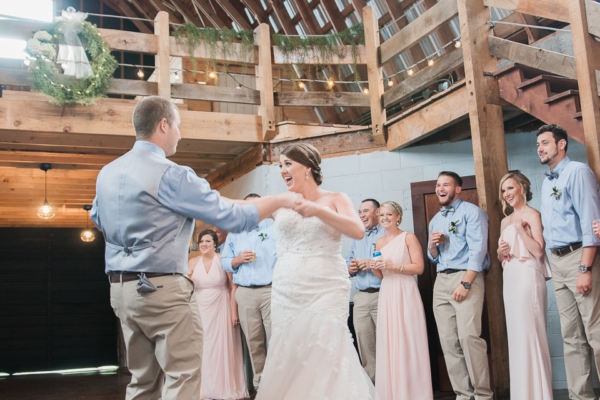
(568, 219)
(363, 249)
(467, 248)
(261, 241)
(183, 192)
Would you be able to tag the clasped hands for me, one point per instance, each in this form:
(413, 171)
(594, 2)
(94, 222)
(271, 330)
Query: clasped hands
(298, 203)
(356, 265)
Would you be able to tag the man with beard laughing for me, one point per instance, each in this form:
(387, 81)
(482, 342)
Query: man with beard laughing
(458, 246)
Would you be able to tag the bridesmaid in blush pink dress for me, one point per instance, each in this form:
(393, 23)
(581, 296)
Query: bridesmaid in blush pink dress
(526, 270)
(402, 353)
(222, 364)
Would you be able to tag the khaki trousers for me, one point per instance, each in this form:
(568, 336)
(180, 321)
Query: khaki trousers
(459, 327)
(579, 322)
(163, 336)
(365, 326)
(254, 309)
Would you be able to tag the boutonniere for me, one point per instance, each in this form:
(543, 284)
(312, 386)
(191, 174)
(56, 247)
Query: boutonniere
(555, 193)
(453, 226)
(263, 237)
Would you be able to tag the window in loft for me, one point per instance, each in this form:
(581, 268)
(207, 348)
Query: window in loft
(352, 19)
(388, 30)
(265, 4)
(320, 15)
(291, 8)
(379, 7)
(274, 22)
(431, 44)
(301, 29)
(249, 14)
(342, 4)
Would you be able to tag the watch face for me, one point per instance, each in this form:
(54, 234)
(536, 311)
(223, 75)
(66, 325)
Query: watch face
(467, 285)
(583, 268)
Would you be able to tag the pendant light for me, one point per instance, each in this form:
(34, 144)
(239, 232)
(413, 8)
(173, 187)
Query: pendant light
(87, 235)
(45, 211)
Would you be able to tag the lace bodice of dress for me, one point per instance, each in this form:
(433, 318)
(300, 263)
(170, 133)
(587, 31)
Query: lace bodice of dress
(311, 236)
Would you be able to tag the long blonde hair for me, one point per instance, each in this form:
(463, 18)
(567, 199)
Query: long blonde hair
(523, 182)
(395, 208)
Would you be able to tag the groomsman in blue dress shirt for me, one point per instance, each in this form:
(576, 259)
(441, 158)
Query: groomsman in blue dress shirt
(570, 204)
(458, 245)
(367, 297)
(251, 256)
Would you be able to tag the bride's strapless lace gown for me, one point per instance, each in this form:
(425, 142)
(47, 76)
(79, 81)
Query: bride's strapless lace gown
(311, 355)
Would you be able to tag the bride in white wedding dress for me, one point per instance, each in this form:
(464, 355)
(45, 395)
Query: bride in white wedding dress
(311, 355)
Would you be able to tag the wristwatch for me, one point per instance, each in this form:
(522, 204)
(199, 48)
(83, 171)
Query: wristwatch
(584, 268)
(467, 285)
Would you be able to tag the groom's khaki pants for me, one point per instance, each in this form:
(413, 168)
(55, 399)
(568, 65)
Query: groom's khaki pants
(579, 322)
(365, 325)
(459, 327)
(254, 309)
(163, 336)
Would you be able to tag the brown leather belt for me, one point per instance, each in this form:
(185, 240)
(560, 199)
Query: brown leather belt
(133, 276)
(255, 286)
(451, 271)
(370, 290)
(563, 251)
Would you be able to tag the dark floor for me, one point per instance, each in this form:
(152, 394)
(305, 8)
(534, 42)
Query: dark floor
(98, 386)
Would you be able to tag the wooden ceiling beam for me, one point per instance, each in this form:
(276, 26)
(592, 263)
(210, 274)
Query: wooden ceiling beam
(209, 12)
(308, 17)
(551, 9)
(237, 168)
(257, 10)
(237, 13)
(123, 7)
(289, 28)
(188, 14)
(159, 6)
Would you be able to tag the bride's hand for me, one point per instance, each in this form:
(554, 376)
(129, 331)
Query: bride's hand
(308, 208)
(289, 199)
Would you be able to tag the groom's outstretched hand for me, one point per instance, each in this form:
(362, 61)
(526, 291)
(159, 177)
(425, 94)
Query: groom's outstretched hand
(289, 199)
(307, 208)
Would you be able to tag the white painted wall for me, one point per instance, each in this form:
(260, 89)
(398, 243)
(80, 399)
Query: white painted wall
(387, 176)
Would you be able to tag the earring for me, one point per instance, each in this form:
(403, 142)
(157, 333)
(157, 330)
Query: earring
(306, 175)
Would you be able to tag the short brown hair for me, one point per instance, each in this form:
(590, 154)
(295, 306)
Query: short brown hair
(457, 179)
(148, 113)
(523, 182)
(307, 155)
(558, 133)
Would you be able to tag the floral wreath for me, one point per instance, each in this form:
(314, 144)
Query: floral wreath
(93, 82)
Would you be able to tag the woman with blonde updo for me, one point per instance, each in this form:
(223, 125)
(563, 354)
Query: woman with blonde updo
(402, 355)
(526, 269)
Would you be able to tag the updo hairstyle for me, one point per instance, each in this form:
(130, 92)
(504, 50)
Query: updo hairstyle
(211, 233)
(523, 182)
(307, 155)
(396, 209)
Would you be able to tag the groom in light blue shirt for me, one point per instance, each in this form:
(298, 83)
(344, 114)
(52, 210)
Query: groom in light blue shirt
(570, 204)
(251, 257)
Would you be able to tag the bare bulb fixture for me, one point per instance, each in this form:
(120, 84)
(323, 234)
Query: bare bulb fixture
(301, 85)
(176, 76)
(366, 91)
(211, 75)
(46, 211)
(140, 74)
(330, 83)
(239, 86)
(390, 83)
(430, 62)
(457, 44)
(87, 235)
(410, 72)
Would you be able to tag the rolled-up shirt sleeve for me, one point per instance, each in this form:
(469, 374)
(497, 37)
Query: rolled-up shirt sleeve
(94, 216)
(584, 195)
(183, 192)
(434, 260)
(228, 254)
(477, 238)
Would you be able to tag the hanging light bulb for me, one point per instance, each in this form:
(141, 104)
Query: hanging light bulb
(45, 211)
(239, 86)
(176, 76)
(390, 83)
(87, 235)
(410, 72)
(26, 62)
(140, 73)
(366, 91)
(211, 75)
(330, 83)
(301, 85)
(457, 43)
(430, 62)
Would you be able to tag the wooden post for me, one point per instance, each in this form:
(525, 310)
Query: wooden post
(163, 65)
(587, 61)
(378, 116)
(264, 81)
(489, 151)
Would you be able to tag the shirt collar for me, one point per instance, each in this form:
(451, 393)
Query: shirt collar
(561, 165)
(143, 145)
(456, 203)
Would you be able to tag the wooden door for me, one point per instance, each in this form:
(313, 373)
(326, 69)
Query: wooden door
(425, 205)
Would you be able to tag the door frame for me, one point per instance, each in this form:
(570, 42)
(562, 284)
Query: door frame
(426, 280)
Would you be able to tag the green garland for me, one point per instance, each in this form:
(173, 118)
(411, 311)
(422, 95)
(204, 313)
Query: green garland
(64, 89)
(323, 47)
(192, 36)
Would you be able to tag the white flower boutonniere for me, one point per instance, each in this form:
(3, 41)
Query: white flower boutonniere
(453, 226)
(555, 193)
(263, 237)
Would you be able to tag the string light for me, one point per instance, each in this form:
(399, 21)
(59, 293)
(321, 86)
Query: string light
(457, 43)
(330, 83)
(211, 75)
(45, 211)
(301, 85)
(410, 72)
(176, 76)
(390, 83)
(239, 86)
(430, 62)
(140, 73)
(366, 91)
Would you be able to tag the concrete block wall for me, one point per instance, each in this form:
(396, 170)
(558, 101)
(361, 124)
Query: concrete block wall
(388, 175)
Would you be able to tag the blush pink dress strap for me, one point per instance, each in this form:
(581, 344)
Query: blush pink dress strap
(526, 305)
(222, 363)
(402, 356)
